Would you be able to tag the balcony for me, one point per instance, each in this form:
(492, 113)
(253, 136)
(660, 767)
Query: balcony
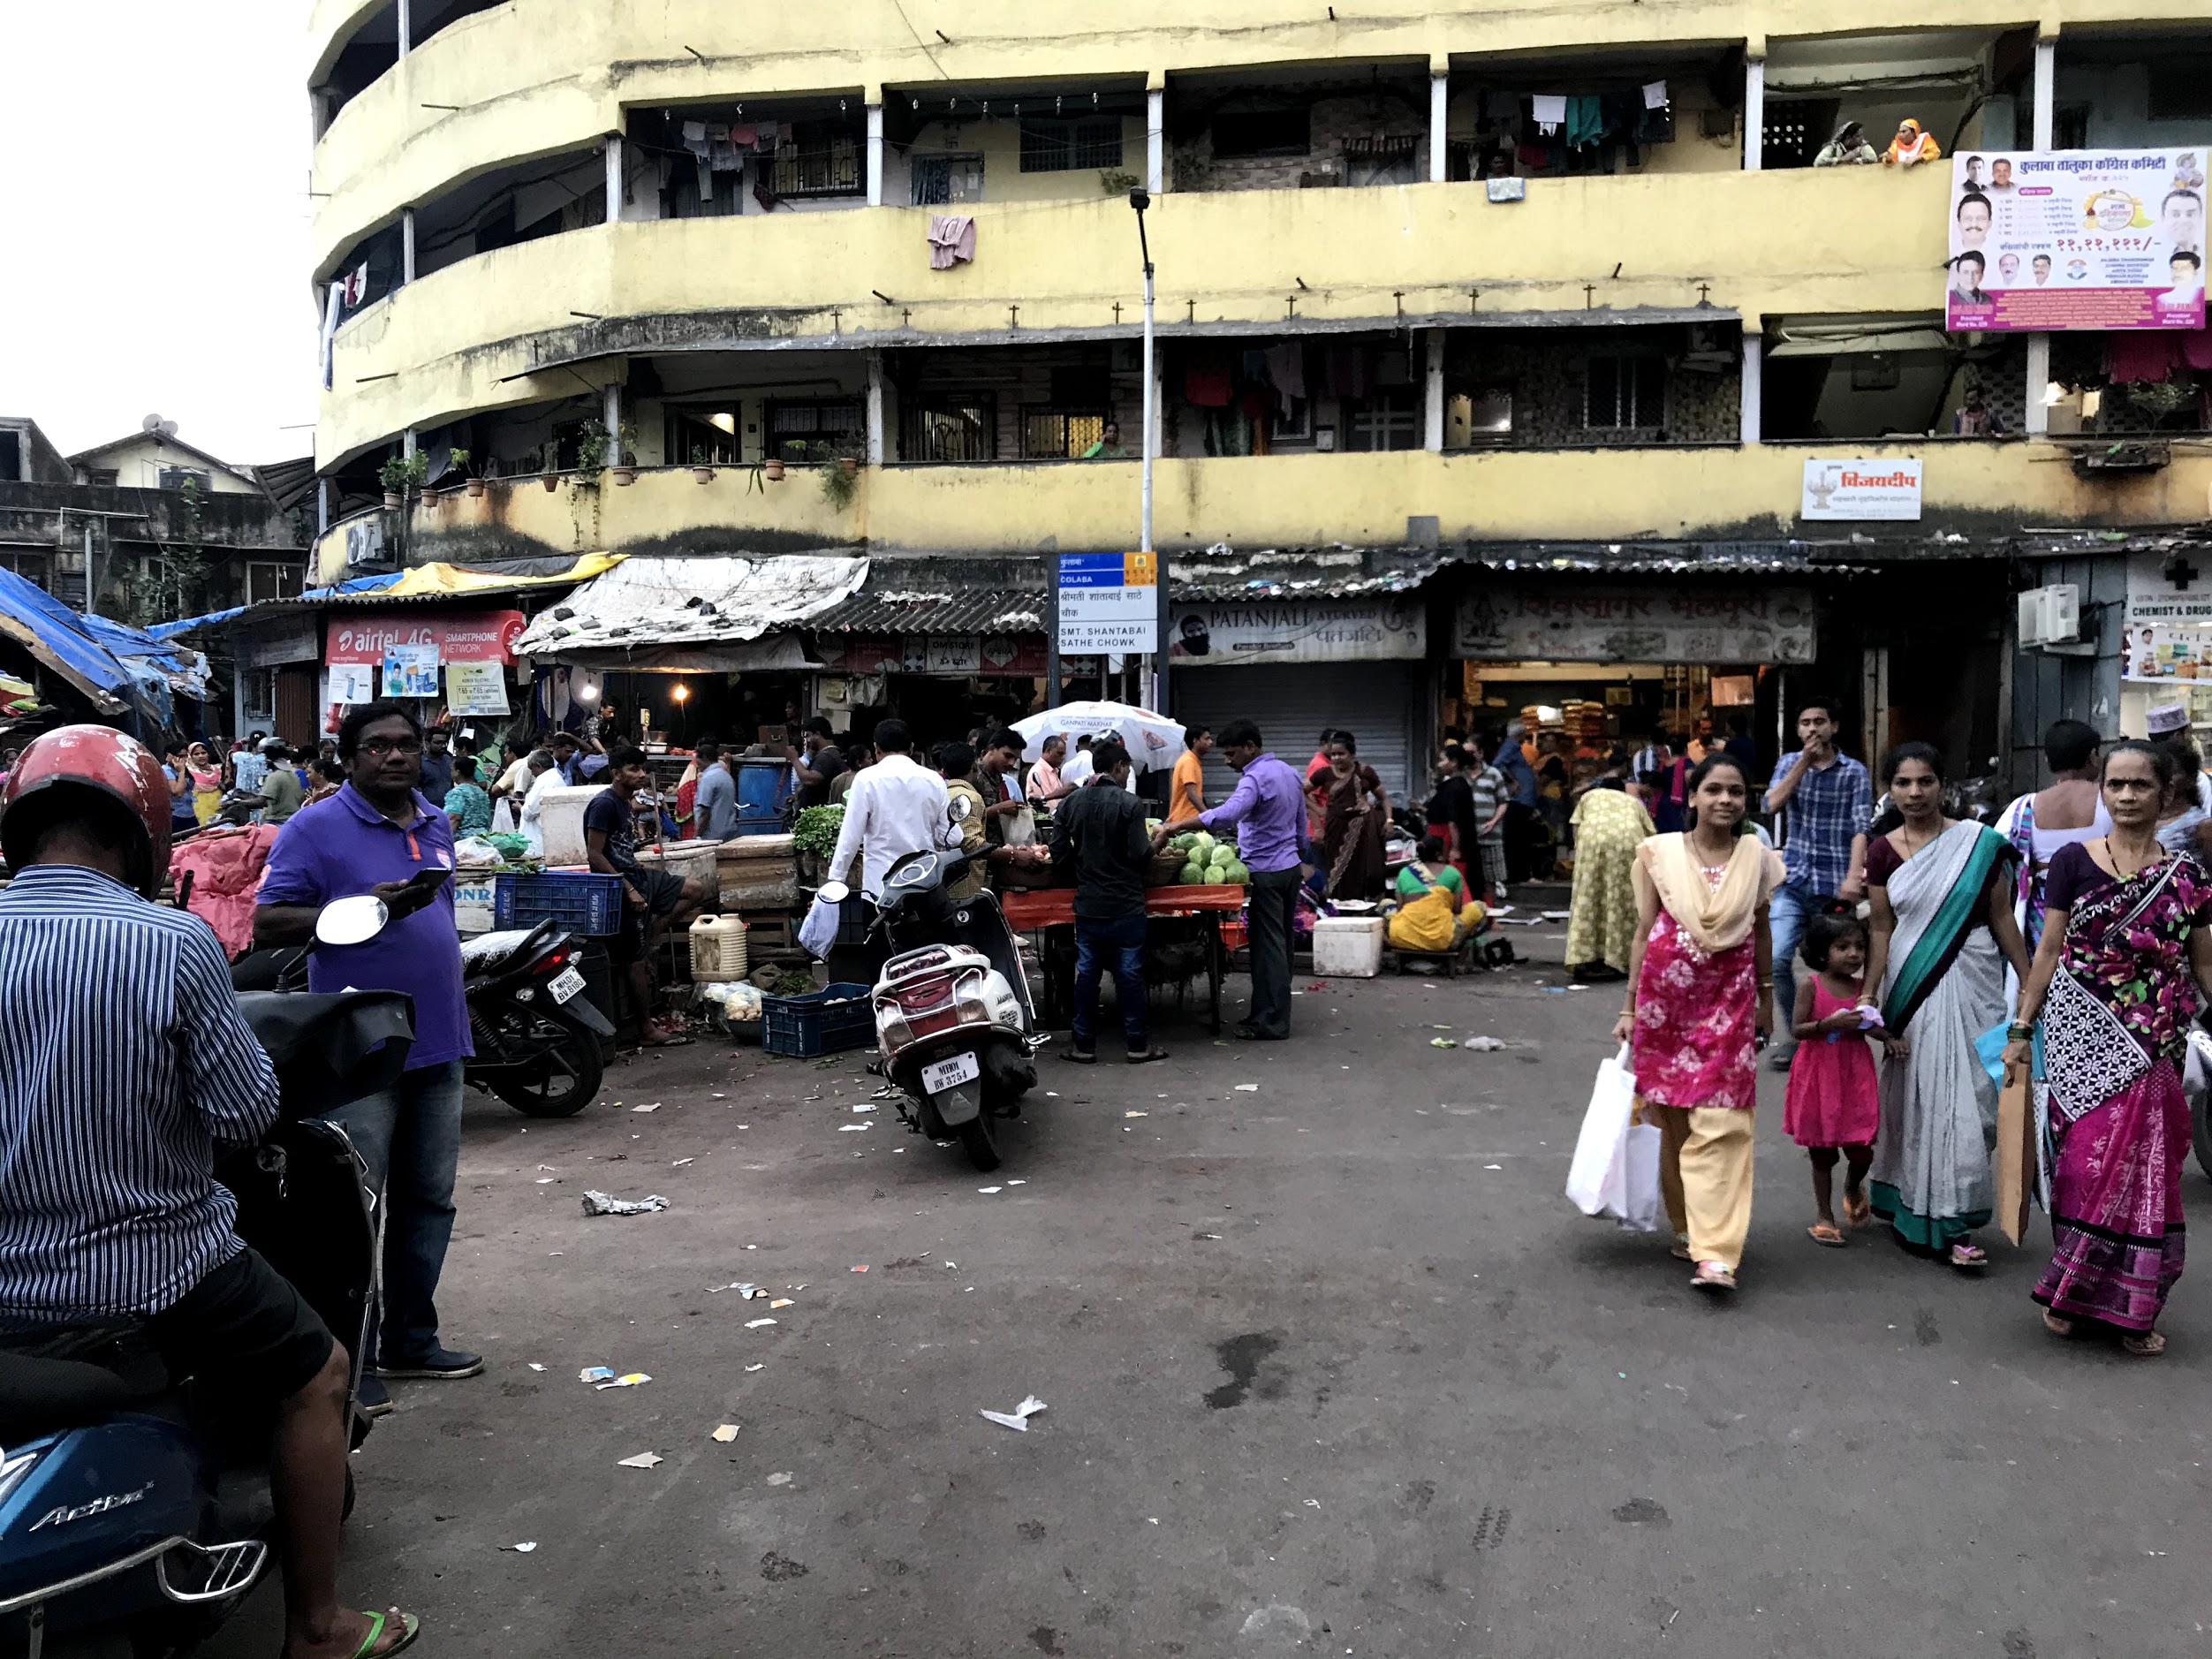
(521, 324)
(1719, 492)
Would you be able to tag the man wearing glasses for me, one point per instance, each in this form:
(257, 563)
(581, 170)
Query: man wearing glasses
(380, 834)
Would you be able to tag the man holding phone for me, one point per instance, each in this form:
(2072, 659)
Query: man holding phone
(379, 835)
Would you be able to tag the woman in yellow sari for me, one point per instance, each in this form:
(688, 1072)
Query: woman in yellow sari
(1433, 912)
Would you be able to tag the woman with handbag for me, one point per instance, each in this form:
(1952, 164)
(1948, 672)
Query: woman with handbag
(2124, 964)
(1701, 974)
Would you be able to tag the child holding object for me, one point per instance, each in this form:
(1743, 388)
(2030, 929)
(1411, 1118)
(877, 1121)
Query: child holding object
(1834, 1103)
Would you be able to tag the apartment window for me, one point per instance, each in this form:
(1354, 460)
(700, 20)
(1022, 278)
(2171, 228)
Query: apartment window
(106, 477)
(268, 581)
(814, 430)
(1263, 133)
(257, 690)
(178, 477)
(2069, 127)
(940, 181)
(1623, 393)
(823, 159)
(702, 437)
(949, 429)
(1050, 146)
(11, 467)
(2179, 89)
(1048, 434)
(30, 566)
(1388, 420)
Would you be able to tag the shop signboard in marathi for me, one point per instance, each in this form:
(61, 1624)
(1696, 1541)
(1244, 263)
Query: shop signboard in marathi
(2089, 240)
(1109, 602)
(475, 688)
(1624, 625)
(1861, 489)
(1392, 629)
(1010, 656)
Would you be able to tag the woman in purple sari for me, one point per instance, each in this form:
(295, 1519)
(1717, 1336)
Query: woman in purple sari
(2125, 963)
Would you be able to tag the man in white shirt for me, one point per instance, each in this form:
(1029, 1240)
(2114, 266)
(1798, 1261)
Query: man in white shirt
(896, 808)
(1078, 770)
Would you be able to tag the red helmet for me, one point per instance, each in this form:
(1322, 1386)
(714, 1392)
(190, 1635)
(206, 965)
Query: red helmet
(98, 758)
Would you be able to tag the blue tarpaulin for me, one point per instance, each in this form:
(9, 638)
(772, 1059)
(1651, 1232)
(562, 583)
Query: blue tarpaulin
(120, 669)
(338, 590)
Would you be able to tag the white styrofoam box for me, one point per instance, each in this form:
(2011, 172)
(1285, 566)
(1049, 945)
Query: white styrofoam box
(473, 899)
(561, 821)
(1348, 947)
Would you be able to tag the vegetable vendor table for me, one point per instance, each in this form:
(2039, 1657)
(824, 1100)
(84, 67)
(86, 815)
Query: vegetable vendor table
(1172, 914)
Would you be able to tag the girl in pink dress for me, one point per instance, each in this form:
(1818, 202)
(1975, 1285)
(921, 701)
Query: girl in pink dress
(1834, 1103)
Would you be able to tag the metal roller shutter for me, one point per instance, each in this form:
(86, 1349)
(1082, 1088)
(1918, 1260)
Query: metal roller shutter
(1375, 701)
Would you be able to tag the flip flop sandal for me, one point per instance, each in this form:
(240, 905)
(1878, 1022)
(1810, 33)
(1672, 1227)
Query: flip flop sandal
(1825, 1233)
(1076, 1056)
(2150, 1345)
(410, 1626)
(1711, 1276)
(1967, 1258)
(1680, 1250)
(1858, 1215)
(1147, 1056)
(2058, 1324)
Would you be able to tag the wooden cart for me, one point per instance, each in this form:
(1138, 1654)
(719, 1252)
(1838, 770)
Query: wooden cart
(1170, 911)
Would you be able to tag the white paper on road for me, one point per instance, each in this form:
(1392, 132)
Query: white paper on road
(643, 1461)
(1019, 1418)
(754, 1324)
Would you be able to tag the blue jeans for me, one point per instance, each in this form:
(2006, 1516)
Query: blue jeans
(1120, 945)
(409, 1135)
(1794, 902)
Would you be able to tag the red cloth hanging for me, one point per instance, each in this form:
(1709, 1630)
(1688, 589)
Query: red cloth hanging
(2133, 355)
(1207, 382)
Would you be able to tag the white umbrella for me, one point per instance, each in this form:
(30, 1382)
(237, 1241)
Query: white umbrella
(1153, 741)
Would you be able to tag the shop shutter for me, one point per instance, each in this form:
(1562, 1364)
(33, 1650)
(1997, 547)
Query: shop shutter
(299, 721)
(1375, 701)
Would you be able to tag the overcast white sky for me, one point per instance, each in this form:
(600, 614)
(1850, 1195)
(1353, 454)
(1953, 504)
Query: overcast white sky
(155, 259)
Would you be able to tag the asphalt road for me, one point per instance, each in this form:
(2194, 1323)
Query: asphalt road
(1329, 1366)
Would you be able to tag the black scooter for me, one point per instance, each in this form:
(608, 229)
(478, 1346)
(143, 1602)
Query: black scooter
(134, 1506)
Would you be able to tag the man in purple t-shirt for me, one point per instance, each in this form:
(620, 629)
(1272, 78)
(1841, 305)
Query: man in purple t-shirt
(374, 836)
(1268, 805)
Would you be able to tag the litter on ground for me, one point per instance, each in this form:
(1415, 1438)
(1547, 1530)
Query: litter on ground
(1247, 1089)
(596, 1374)
(521, 1550)
(635, 1379)
(780, 1479)
(754, 1324)
(649, 1106)
(727, 1433)
(1483, 1045)
(1019, 1418)
(643, 1461)
(781, 1301)
(987, 1189)
(608, 1204)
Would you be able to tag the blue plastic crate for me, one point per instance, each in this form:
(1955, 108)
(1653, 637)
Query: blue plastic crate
(575, 901)
(806, 1026)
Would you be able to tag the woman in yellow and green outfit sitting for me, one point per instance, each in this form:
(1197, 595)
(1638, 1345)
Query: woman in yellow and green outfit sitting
(1433, 914)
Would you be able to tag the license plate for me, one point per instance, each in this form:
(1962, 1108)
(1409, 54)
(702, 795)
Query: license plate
(945, 1074)
(566, 984)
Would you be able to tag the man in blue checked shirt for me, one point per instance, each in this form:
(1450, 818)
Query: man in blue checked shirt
(125, 1063)
(1829, 803)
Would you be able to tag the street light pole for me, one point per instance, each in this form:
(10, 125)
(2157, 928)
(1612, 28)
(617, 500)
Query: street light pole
(1141, 199)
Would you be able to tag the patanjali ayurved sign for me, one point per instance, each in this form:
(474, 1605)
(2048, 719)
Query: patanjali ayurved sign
(1300, 631)
(2088, 239)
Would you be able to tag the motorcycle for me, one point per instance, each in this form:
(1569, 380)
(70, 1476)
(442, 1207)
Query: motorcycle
(535, 1034)
(955, 1028)
(135, 1512)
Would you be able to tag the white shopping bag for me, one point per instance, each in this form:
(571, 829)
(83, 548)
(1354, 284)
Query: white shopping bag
(819, 932)
(1597, 1179)
(1639, 1179)
(502, 817)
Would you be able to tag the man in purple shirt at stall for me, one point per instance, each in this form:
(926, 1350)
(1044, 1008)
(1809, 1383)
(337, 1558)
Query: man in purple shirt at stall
(379, 835)
(1269, 808)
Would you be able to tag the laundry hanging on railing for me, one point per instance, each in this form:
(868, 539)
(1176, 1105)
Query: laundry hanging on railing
(951, 240)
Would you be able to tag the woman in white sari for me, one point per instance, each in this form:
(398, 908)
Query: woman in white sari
(1943, 935)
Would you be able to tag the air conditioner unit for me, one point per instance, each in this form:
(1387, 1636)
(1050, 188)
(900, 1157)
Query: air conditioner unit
(2051, 615)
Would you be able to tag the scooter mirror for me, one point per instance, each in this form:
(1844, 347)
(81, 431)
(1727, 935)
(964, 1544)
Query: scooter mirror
(355, 920)
(957, 812)
(834, 893)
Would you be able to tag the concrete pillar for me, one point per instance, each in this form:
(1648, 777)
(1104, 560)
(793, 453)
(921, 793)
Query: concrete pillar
(875, 154)
(1439, 101)
(1156, 138)
(407, 442)
(1433, 408)
(1749, 386)
(875, 452)
(406, 245)
(2038, 385)
(615, 189)
(612, 414)
(405, 20)
(322, 506)
(1754, 113)
(2045, 86)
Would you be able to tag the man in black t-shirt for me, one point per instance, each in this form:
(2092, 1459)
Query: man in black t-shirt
(610, 840)
(817, 764)
(1099, 832)
(1452, 815)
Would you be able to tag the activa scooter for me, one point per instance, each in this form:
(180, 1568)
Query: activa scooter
(134, 1507)
(954, 1023)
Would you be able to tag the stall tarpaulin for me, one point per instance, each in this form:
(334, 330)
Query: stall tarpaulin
(651, 601)
(2097, 239)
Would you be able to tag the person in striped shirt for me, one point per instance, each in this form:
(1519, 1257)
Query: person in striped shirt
(125, 1063)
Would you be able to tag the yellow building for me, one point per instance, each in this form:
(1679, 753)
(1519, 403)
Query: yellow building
(1482, 290)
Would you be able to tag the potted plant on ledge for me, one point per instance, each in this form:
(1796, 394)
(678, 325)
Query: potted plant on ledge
(401, 474)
